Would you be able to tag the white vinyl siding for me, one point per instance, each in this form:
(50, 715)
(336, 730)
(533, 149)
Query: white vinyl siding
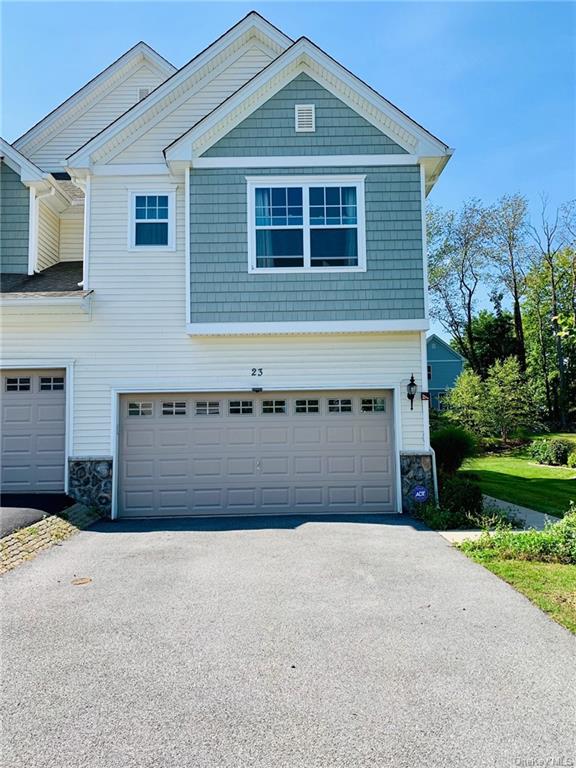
(136, 337)
(148, 147)
(48, 237)
(51, 155)
(72, 234)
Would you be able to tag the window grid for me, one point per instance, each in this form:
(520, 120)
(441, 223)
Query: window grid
(340, 406)
(373, 405)
(344, 216)
(174, 408)
(51, 383)
(139, 408)
(273, 406)
(152, 220)
(307, 406)
(18, 384)
(207, 408)
(240, 407)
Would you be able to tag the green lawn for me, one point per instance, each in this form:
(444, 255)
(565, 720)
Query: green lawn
(551, 586)
(514, 477)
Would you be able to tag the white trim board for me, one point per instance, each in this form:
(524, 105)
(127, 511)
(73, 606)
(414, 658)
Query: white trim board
(116, 392)
(304, 327)
(68, 366)
(304, 161)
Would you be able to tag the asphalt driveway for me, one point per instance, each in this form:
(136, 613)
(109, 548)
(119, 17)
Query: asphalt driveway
(286, 644)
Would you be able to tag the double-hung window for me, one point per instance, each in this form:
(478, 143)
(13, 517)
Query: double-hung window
(152, 220)
(306, 225)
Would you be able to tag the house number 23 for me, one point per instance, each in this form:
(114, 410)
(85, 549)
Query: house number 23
(257, 372)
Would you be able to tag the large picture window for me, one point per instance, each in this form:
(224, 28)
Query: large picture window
(152, 220)
(306, 225)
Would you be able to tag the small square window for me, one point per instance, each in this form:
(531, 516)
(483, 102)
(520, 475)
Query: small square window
(152, 221)
(307, 406)
(339, 406)
(207, 408)
(173, 408)
(240, 407)
(373, 405)
(18, 384)
(274, 406)
(51, 383)
(139, 409)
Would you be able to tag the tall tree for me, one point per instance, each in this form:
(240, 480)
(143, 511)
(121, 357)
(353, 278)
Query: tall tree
(494, 337)
(549, 238)
(509, 232)
(458, 248)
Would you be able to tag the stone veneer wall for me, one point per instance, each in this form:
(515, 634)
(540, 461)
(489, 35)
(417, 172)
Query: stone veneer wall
(90, 482)
(415, 469)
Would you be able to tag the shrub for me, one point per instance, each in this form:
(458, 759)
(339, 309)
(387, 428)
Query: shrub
(550, 451)
(452, 445)
(571, 460)
(461, 497)
(555, 544)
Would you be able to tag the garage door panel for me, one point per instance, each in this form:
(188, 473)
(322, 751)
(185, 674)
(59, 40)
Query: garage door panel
(207, 461)
(33, 432)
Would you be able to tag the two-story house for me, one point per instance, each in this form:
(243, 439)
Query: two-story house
(215, 288)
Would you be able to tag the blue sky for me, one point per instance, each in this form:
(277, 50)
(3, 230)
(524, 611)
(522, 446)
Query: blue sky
(496, 81)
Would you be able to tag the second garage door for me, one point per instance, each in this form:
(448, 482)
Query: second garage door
(256, 453)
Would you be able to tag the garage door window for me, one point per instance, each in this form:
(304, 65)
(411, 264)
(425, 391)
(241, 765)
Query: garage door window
(240, 407)
(373, 405)
(173, 408)
(51, 383)
(207, 408)
(274, 406)
(307, 406)
(139, 409)
(18, 384)
(339, 406)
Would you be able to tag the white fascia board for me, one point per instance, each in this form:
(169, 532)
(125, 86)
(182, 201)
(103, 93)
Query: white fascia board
(26, 169)
(306, 327)
(303, 161)
(299, 58)
(43, 301)
(252, 22)
(137, 55)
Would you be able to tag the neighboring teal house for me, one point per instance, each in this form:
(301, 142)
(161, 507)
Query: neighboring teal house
(444, 367)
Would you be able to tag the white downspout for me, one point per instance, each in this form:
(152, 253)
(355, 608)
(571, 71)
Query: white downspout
(86, 240)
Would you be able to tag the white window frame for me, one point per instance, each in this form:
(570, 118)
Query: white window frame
(171, 195)
(305, 182)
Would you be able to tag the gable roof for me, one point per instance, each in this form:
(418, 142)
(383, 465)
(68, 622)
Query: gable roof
(90, 92)
(252, 24)
(445, 345)
(305, 56)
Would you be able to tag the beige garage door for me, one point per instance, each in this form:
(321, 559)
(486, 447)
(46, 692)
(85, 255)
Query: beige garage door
(33, 431)
(256, 453)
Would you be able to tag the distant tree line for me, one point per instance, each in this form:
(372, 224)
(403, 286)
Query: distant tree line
(528, 267)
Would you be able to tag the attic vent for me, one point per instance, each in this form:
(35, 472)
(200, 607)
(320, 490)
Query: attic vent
(305, 118)
(142, 93)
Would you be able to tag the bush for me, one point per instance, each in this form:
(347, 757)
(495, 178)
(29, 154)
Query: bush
(550, 451)
(440, 519)
(452, 445)
(461, 497)
(555, 544)
(571, 460)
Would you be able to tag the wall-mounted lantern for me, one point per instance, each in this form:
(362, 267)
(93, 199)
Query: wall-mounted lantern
(411, 391)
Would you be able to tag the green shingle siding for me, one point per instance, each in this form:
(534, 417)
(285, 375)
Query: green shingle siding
(14, 214)
(270, 129)
(223, 291)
